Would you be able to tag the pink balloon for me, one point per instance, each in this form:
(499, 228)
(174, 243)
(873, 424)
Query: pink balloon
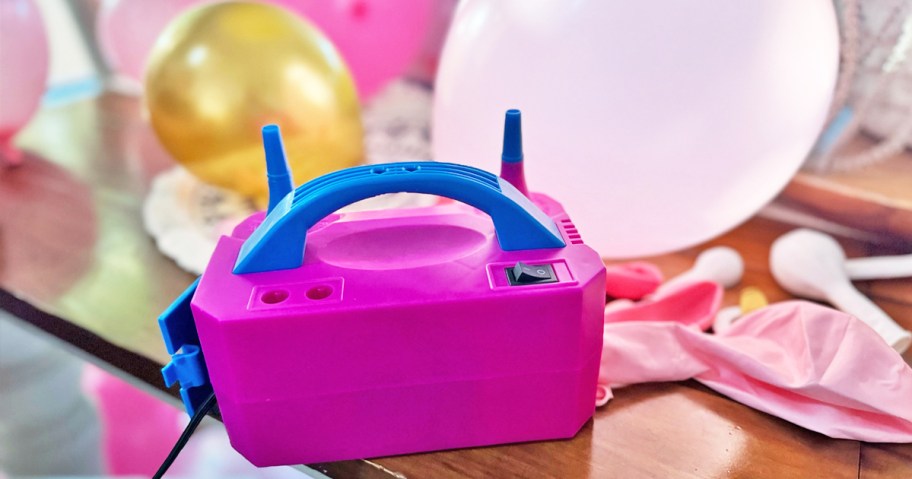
(23, 65)
(378, 39)
(127, 31)
(424, 68)
(657, 124)
(139, 429)
(813, 366)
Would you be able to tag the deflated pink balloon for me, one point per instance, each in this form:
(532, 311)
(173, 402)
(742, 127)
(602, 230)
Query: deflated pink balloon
(23, 66)
(692, 303)
(657, 124)
(127, 30)
(813, 366)
(378, 39)
(632, 280)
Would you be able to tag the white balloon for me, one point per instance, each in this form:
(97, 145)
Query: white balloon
(657, 124)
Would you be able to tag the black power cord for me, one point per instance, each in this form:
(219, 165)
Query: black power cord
(207, 406)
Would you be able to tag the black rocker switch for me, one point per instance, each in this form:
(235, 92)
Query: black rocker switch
(523, 273)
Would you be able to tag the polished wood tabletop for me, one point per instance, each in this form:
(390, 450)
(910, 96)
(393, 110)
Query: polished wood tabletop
(76, 262)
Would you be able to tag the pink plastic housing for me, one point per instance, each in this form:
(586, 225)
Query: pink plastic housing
(401, 333)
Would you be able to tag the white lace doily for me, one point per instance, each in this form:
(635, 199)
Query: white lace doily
(186, 216)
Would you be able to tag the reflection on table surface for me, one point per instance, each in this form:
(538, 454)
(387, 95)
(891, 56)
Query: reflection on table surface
(76, 261)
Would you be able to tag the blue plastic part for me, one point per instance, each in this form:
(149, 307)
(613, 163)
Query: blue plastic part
(278, 174)
(187, 366)
(176, 322)
(189, 369)
(278, 243)
(833, 131)
(512, 139)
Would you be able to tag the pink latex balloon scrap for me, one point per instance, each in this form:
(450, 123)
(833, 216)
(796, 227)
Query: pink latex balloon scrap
(378, 39)
(23, 70)
(691, 304)
(632, 280)
(813, 366)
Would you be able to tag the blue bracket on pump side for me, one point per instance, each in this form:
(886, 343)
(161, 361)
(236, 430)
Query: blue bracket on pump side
(187, 366)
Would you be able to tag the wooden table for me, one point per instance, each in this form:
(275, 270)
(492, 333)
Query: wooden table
(875, 198)
(76, 262)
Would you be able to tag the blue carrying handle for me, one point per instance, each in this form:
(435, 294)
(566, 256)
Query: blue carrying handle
(278, 243)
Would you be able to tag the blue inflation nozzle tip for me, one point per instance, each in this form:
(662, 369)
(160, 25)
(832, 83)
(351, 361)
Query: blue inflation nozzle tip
(278, 174)
(512, 140)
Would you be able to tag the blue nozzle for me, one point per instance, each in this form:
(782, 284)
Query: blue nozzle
(511, 164)
(512, 139)
(278, 174)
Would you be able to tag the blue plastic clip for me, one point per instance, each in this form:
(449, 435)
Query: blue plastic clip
(187, 366)
(189, 369)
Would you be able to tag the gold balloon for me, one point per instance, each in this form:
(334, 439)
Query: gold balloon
(220, 72)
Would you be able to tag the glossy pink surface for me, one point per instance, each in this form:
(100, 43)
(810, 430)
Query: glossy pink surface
(401, 333)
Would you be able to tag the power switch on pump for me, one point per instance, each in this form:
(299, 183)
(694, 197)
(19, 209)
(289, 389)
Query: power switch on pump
(524, 274)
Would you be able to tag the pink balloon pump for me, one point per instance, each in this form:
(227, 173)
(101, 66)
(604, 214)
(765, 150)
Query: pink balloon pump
(511, 160)
(475, 326)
